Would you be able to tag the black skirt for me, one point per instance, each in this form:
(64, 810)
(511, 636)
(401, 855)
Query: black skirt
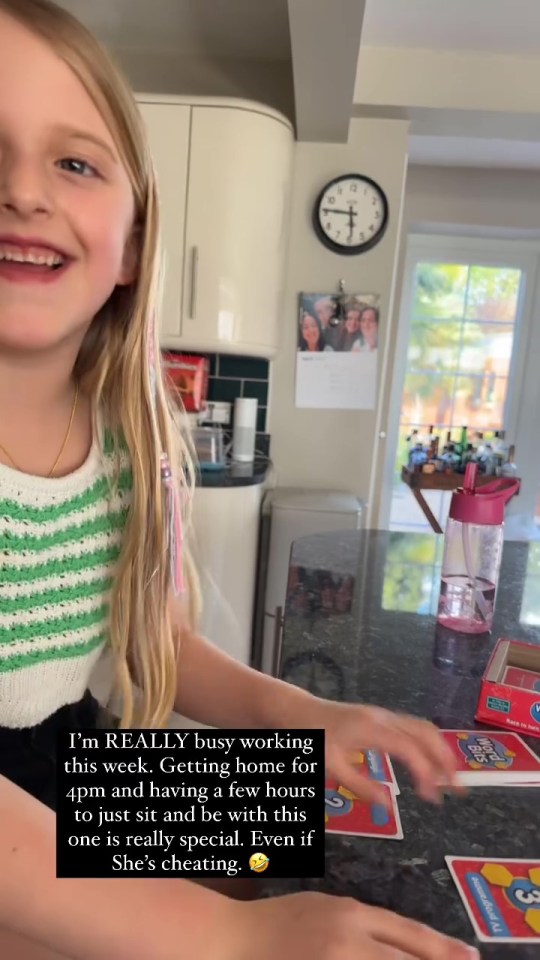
(28, 756)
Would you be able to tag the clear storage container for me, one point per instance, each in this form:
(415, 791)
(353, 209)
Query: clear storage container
(209, 447)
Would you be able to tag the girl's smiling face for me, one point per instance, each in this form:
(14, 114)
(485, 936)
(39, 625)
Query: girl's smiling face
(64, 196)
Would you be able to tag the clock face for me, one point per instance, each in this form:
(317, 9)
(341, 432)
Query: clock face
(351, 214)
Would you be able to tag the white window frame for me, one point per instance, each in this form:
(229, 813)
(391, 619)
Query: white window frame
(436, 248)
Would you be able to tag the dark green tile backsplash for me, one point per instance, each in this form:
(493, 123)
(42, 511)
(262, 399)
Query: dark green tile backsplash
(232, 377)
(243, 368)
(257, 389)
(225, 390)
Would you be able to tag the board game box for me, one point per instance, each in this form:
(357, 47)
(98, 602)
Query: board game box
(510, 690)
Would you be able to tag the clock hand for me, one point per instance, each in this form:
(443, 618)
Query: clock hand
(348, 213)
(351, 222)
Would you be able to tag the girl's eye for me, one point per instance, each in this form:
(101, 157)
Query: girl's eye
(81, 167)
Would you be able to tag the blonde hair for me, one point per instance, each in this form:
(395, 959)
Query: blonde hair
(114, 362)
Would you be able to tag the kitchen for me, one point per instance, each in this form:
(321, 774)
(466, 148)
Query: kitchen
(245, 137)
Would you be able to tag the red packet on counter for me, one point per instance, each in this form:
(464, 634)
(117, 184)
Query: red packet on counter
(488, 758)
(501, 897)
(187, 379)
(344, 813)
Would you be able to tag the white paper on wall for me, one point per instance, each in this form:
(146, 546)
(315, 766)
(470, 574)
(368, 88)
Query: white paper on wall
(337, 351)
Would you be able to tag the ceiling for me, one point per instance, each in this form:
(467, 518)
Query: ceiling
(491, 26)
(224, 29)
(259, 29)
(272, 50)
(474, 152)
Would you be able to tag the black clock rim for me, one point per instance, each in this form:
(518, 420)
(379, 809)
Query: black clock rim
(358, 248)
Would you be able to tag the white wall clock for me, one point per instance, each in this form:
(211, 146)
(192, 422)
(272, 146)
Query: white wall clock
(350, 215)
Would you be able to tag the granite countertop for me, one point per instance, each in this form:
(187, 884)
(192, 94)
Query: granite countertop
(235, 474)
(360, 626)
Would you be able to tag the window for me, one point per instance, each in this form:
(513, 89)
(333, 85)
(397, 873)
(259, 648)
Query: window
(457, 356)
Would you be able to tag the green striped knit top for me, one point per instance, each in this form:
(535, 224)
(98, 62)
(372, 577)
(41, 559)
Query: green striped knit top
(60, 540)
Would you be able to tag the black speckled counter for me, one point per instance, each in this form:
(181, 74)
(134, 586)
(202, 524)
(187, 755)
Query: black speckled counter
(360, 626)
(235, 474)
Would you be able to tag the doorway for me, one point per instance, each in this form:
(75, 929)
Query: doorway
(464, 361)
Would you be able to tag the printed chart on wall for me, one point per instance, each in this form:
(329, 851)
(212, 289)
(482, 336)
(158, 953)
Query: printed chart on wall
(337, 350)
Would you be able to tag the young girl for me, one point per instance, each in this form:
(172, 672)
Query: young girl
(91, 552)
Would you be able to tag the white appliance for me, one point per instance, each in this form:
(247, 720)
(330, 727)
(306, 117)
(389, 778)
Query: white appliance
(226, 524)
(293, 513)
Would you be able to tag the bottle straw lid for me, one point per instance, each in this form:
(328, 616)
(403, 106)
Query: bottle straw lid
(482, 505)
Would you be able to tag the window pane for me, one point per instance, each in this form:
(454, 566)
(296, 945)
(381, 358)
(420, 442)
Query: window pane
(486, 348)
(479, 401)
(459, 353)
(427, 398)
(434, 345)
(493, 294)
(440, 290)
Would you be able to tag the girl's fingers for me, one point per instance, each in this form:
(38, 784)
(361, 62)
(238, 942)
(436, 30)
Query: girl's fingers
(436, 746)
(377, 951)
(412, 755)
(413, 938)
(420, 746)
(367, 791)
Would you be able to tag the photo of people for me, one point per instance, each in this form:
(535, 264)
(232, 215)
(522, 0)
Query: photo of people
(332, 324)
(337, 351)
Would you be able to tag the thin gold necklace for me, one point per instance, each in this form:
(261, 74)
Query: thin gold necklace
(66, 438)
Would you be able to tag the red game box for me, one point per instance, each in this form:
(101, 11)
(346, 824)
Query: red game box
(510, 692)
(187, 378)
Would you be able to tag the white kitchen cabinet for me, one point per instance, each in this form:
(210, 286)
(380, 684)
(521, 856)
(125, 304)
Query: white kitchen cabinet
(236, 230)
(168, 126)
(225, 172)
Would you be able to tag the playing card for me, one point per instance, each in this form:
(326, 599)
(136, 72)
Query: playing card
(526, 679)
(485, 758)
(502, 897)
(344, 813)
(377, 766)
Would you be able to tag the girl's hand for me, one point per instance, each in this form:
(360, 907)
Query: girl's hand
(322, 927)
(417, 744)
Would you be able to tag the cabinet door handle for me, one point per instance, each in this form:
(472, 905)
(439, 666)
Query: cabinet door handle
(278, 641)
(194, 277)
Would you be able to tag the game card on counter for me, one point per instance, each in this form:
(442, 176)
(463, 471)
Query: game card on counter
(491, 759)
(377, 766)
(345, 813)
(502, 897)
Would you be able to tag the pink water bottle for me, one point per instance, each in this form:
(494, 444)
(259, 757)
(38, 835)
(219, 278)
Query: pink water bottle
(472, 553)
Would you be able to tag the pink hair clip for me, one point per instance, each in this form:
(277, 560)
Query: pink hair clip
(174, 513)
(174, 516)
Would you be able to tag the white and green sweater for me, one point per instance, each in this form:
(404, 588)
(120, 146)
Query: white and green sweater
(60, 540)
